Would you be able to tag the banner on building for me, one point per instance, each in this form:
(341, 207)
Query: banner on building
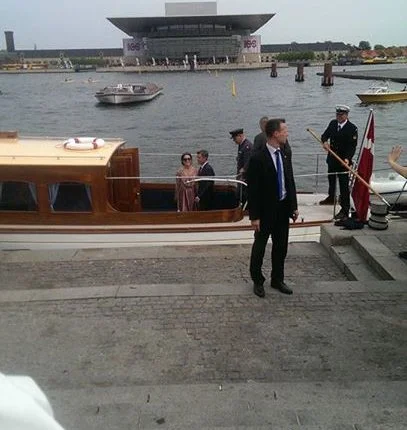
(135, 47)
(251, 44)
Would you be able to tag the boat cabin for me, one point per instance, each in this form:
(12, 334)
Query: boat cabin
(50, 181)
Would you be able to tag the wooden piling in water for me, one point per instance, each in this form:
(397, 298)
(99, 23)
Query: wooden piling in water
(327, 79)
(299, 77)
(273, 73)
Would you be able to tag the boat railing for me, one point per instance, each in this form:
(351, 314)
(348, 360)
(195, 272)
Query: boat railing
(312, 175)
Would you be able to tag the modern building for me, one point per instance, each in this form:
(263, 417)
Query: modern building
(192, 32)
(9, 41)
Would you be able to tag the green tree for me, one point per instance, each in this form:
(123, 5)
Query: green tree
(378, 47)
(364, 45)
(296, 56)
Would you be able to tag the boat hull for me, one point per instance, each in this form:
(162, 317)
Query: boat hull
(383, 98)
(117, 99)
(158, 232)
(392, 188)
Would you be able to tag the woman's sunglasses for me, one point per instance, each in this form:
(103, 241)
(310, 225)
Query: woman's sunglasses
(187, 159)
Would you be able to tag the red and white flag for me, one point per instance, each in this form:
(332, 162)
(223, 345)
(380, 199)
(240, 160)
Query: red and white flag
(360, 192)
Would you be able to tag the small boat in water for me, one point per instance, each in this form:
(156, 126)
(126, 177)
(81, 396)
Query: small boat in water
(392, 187)
(382, 94)
(128, 93)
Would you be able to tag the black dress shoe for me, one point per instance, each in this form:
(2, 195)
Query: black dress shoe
(327, 201)
(341, 215)
(403, 254)
(282, 287)
(258, 289)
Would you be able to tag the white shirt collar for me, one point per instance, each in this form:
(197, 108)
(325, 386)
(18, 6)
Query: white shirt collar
(271, 149)
(342, 124)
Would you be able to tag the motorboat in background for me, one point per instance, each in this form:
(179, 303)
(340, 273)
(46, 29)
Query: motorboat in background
(382, 94)
(392, 187)
(128, 93)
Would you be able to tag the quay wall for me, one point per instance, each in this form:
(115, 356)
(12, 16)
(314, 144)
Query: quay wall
(156, 69)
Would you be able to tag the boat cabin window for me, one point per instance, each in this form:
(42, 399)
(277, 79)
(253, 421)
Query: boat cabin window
(18, 196)
(70, 197)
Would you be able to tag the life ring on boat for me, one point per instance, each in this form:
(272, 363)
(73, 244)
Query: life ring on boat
(83, 143)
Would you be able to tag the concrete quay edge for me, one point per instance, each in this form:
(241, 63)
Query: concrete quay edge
(363, 254)
(178, 290)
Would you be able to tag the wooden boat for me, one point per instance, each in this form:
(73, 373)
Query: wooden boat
(382, 94)
(93, 194)
(128, 93)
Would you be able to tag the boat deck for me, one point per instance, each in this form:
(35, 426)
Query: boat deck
(34, 151)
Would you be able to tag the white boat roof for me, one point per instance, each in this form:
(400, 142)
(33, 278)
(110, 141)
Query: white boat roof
(49, 151)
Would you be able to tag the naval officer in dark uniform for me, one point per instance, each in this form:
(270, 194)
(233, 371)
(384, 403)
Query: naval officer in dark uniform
(343, 139)
(242, 160)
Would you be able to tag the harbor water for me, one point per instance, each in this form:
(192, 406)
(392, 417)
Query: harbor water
(196, 111)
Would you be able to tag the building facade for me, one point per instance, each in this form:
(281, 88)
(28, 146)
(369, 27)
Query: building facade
(191, 32)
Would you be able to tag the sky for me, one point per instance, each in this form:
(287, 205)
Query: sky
(54, 24)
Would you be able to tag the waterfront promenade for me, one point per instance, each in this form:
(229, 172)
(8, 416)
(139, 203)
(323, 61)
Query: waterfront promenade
(173, 338)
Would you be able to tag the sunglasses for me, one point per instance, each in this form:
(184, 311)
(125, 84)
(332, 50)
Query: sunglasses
(187, 159)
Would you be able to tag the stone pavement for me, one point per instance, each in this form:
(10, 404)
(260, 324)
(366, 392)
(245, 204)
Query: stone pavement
(173, 338)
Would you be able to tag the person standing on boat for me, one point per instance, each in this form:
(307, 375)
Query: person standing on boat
(343, 139)
(242, 159)
(392, 158)
(273, 201)
(260, 139)
(204, 198)
(184, 191)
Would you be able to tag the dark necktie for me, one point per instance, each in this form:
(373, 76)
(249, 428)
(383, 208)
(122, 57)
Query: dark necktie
(339, 128)
(279, 174)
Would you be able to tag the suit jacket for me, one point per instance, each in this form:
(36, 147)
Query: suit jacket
(205, 188)
(259, 141)
(263, 185)
(342, 142)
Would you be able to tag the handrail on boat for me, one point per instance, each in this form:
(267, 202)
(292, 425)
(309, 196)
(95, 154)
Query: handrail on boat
(214, 178)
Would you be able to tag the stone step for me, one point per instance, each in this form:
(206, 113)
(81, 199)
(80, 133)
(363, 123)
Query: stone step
(380, 258)
(352, 263)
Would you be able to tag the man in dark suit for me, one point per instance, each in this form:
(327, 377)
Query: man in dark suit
(204, 199)
(343, 138)
(261, 138)
(272, 202)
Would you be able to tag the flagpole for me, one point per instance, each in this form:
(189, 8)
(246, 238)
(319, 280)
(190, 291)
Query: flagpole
(369, 118)
(355, 173)
(352, 178)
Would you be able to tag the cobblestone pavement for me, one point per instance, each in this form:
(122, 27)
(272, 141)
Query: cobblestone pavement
(79, 350)
(305, 263)
(166, 340)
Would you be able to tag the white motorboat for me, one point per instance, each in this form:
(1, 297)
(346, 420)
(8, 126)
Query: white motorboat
(392, 187)
(128, 93)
